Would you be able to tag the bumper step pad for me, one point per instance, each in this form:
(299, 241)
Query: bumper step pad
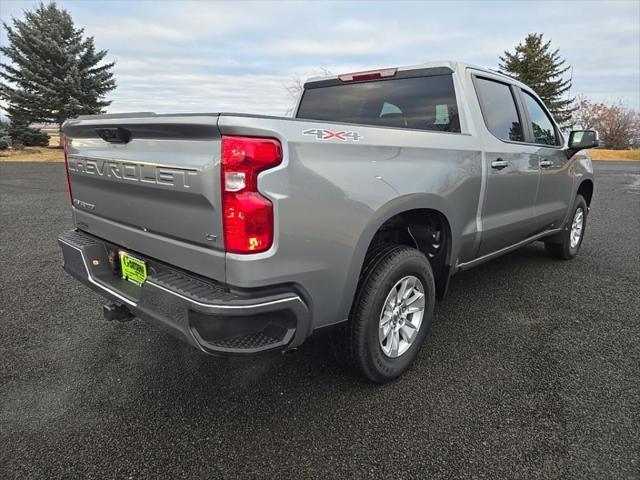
(249, 341)
(193, 288)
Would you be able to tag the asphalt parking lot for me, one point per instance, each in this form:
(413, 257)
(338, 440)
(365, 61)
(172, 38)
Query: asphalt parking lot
(532, 371)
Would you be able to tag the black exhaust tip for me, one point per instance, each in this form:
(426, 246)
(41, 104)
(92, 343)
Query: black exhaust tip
(115, 311)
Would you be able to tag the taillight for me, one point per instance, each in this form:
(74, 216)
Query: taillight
(247, 215)
(66, 168)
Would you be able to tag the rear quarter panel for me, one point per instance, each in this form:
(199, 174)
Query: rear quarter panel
(330, 197)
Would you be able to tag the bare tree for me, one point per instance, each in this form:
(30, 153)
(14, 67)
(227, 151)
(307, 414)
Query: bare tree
(295, 88)
(586, 113)
(618, 126)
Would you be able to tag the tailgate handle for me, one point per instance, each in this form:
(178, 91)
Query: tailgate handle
(114, 135)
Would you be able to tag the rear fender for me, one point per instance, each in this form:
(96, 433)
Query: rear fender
(384, 213)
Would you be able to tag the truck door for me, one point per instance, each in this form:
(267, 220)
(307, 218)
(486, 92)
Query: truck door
(556, 183)
(508, 214)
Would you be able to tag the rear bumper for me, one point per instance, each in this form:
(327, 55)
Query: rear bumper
(205, 314)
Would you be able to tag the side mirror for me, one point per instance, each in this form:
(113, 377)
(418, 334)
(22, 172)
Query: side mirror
(581, 139)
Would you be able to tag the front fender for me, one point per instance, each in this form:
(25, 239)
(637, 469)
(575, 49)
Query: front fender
(582, 169)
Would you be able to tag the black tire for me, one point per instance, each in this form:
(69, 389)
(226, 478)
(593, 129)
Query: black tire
(358, 341)
(559, 246)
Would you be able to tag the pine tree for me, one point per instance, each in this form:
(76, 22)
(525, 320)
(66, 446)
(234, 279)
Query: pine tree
(535, 64)
(53, 73)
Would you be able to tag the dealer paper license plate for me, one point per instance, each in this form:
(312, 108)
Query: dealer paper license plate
(133, 269)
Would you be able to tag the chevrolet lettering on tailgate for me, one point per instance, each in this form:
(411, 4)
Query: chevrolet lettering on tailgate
(133, 172)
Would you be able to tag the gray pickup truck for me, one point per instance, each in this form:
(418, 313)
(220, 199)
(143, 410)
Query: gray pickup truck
(243, 234)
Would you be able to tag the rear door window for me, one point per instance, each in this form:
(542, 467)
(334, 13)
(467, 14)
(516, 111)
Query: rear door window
(544, 132)
(422, 103)
(499, 109)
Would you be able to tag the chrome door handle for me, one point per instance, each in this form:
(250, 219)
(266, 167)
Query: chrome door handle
(499, 164)
(546, 163)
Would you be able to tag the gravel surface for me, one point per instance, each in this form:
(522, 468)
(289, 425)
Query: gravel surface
(532, 370)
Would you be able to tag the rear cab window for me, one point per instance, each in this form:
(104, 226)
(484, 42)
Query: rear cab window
(425, 102)
(499, 109)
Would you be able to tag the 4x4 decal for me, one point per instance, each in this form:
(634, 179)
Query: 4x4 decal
(324, 134)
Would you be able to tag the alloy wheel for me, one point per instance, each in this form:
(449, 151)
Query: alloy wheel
(401, 316)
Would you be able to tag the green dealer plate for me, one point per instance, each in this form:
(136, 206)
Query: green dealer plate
(133, 269)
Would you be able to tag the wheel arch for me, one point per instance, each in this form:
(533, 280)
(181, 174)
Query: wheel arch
(586, 190)
(404, 205)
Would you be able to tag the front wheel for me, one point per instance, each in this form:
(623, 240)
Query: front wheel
(391, 314)
(565, 245)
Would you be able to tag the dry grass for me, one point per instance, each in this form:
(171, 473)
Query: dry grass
(54, 140)
(615, 155)
(52, 153)
(33, 154)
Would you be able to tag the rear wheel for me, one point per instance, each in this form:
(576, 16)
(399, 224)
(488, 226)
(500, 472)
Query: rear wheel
(391, 314)
(566, 244)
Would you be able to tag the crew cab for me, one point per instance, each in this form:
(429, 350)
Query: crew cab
(242, 234)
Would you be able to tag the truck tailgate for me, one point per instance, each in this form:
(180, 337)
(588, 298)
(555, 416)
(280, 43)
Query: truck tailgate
(139, 181)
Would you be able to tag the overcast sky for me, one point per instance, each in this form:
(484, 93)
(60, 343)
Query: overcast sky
(240, 56)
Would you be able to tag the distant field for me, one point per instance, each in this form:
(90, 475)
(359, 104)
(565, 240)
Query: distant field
(54, 141)
(36, 154)
(624, 155)
(33, 154)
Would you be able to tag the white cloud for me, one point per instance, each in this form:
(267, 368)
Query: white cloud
(319, 47)
(176, 92)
